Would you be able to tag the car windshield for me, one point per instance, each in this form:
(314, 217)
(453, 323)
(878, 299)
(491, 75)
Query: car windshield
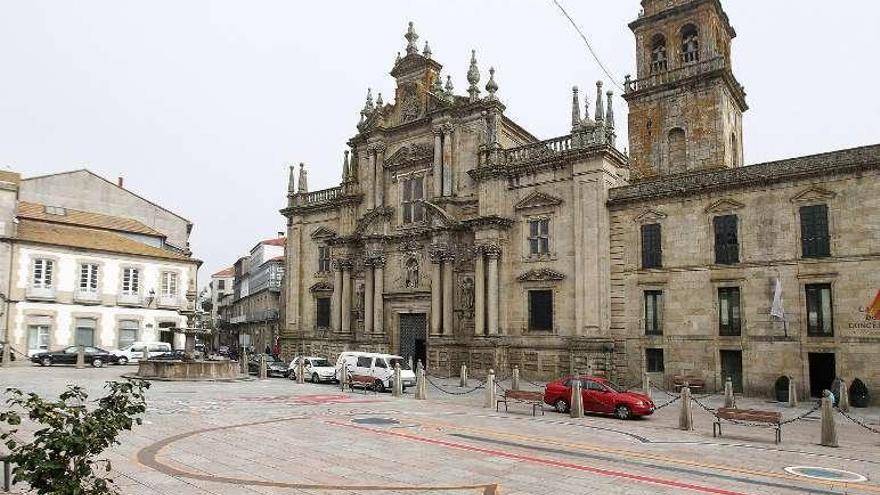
(321, 363)
(615, 388)
(403, 364)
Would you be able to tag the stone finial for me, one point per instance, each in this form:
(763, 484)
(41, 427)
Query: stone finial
(600, 107)
(411, 39)
(449, 88)
(368, 104)
(291, 181)
(587, 118)
(303, 181)
(345, 169)
(609, 113)
(491, 86)
(473, 77)
(437, 86)
(575, 107)
(426, 52)
(379, 102)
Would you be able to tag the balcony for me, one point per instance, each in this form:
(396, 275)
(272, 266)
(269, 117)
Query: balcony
(41, 293)
(670, 76)
(317, 197)
(166, 301)
(87, 297)
(129, 300)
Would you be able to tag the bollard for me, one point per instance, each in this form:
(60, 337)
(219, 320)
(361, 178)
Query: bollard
(80, 357)
(792, 393)
(729, 398)
(264, 373)
(7, 355)
(410, 362)
(829, 427)
(515, 381)
(397, 384)
(576, 409)
(686, 417)
(421, 390)
(490, 390)
(343, 376)
(244, 363)
(843, 400)
(301, 371)
(463, 378)
(646, 385)
(145, 353)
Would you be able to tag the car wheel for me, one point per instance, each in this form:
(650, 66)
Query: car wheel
(379, 386)
(46, 361)
(123, 361)
(622, 412)
(315, 378)
(97, 363)
(291, 375)
(561, 406)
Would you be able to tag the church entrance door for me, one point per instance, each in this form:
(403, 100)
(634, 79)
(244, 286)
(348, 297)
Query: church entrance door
(414, 337)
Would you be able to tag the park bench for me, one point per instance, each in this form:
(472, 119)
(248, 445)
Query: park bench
(363, 381)
(693, 382)
(535, 399)
(770, 418)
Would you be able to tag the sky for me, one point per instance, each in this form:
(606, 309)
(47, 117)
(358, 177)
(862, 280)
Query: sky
(201, 105)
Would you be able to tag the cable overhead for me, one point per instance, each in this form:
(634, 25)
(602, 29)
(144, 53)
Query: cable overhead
(589, 46)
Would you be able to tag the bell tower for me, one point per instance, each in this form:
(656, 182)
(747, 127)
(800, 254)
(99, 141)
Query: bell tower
(685, 106)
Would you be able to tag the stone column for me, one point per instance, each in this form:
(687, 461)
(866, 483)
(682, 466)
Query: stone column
(371, 179)
(436, 294)
(378, 291)
(448, 307)
(479, 294)
(336, 300)
(380, 175)
(438, 162)
(368, 299)
(346, 297)
(448, 130)
(493, 253)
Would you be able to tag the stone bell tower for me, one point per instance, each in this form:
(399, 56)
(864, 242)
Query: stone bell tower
(686, 106)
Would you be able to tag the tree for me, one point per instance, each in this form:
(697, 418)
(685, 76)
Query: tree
(62, 457)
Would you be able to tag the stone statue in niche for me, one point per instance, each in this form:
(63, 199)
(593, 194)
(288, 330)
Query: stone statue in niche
(360, 293)
(412, 274)
(466, 296)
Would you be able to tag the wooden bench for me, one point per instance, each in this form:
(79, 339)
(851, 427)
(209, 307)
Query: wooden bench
(770, 418)
(363, 381)
(693, 382)
(535, 399)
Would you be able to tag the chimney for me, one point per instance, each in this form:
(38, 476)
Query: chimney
(119, 181)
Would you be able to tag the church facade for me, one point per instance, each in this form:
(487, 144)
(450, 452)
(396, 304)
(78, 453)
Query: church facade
(455, 236)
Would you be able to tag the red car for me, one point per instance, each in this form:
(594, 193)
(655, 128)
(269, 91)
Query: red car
(600, 396)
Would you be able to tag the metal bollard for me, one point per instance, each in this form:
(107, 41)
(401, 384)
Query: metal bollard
(576, 409)
(463, 378)
(397, 385)
(421, 389)
(686, 416)
(729, 398)
(490, 390)
(515, 380)
(7, 476)
(829, 426)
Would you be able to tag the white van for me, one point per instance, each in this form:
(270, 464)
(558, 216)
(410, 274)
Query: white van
(134, 352)
(378, 366)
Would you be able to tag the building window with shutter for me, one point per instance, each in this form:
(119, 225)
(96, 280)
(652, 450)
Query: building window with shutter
(128, 333)
(88, 278)
(820, 320)
(169, 284)
(85, 332)
(652, 253)
(322, 309)
(411, 200)
(729, 311)
(726, 240)
(539, 237)
(323, 259)
(654, 361)
(43, 271)
(815, 241)
(541, 310)
(130, 281)
(653, 312)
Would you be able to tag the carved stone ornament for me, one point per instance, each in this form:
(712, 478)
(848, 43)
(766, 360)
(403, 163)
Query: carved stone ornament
(323, 233)
(650, 216)
(541, 275)
(321, 286)
(537, 199)
(410, 155)
(410, 106)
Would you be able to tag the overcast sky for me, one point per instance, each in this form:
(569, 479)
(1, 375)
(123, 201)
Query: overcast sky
(201, 105)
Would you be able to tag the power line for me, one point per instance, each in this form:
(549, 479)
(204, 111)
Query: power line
(589, 46)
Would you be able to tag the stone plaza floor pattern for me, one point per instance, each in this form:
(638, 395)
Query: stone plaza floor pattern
(278, 437)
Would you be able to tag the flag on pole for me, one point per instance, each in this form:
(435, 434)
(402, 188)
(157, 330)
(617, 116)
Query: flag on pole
(777, 310)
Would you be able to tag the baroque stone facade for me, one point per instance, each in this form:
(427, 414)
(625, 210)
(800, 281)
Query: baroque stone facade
(456, 237)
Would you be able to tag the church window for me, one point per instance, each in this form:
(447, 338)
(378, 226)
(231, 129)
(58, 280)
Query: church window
(820, 322)
(323, 259)
(677, 142)
(653, 312)
(729, 311)
(411, 200)
(726, 241)
(690, 44)
(652, 252)
(541, 310)
(815, 240)
(539, 237)
(659, 61)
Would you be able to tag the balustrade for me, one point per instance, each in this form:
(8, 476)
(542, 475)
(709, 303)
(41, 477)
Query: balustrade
(670, 76)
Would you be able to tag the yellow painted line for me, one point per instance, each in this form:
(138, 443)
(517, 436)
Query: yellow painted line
(654, 457)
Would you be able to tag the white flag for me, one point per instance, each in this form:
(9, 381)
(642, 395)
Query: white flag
(776, 310)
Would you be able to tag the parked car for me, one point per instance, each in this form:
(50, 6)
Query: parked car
(600, 396)
(317, 369)
(93, 356)
(177, 355)
(378, 366)
(274, 366)
(134, 352)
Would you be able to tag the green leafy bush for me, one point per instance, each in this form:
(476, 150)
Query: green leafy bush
(62, 457)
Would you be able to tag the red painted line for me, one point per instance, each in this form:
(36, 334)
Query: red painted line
(549, 462)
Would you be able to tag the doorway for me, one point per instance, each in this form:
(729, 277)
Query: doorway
(732, 367)
(823, 371)
(414, 337)
(166, 333)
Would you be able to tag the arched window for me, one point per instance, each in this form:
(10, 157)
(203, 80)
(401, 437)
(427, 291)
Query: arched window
(734, 150)
(677, 146)
(690, 44)
(658, 54)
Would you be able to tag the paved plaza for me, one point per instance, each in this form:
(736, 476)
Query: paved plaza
(277, 436)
